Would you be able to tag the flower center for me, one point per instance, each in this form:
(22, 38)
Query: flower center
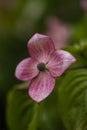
(41, 66)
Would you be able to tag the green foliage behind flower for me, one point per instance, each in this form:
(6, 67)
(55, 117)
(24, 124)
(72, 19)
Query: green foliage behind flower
(65, 109)
(19, 19)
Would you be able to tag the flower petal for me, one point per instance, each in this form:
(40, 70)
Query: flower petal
(26, 69)
(41, 86)
(59, 62)
(40, 47)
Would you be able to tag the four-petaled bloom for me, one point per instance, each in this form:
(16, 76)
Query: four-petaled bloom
(43, 66)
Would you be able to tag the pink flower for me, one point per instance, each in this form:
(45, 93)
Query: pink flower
(43, 66)
(58, 31)
(84, 4)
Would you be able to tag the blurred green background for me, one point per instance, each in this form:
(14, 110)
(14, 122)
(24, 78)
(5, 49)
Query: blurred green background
(19, 20)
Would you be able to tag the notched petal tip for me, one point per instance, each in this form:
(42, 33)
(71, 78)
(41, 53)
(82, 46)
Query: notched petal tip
(40, 38)
(40, 47)
(36, 37)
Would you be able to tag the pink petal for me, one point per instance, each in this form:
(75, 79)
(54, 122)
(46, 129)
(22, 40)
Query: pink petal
(41, 86)
(59, 62)
(41, 47)
(26, 69)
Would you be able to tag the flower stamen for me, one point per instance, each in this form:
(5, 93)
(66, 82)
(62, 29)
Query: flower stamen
(41, 66)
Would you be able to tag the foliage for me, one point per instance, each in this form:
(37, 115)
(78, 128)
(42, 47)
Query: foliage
(72, 98)
(65, 108)
(72, 94)
(23, 113)
(20, 109)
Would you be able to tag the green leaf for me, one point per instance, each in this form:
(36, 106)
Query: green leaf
(24, 114)
(49, 119)
(20, 109)
(72, 96)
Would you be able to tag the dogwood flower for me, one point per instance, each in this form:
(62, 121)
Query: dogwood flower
(43, 66)
(58, 31)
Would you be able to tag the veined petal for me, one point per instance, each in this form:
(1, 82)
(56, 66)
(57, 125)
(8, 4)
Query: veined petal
(59, 62)
(26, 69)
(41, 86)
(41, 47)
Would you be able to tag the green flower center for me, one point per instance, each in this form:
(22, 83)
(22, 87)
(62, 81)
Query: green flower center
(41, 66)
